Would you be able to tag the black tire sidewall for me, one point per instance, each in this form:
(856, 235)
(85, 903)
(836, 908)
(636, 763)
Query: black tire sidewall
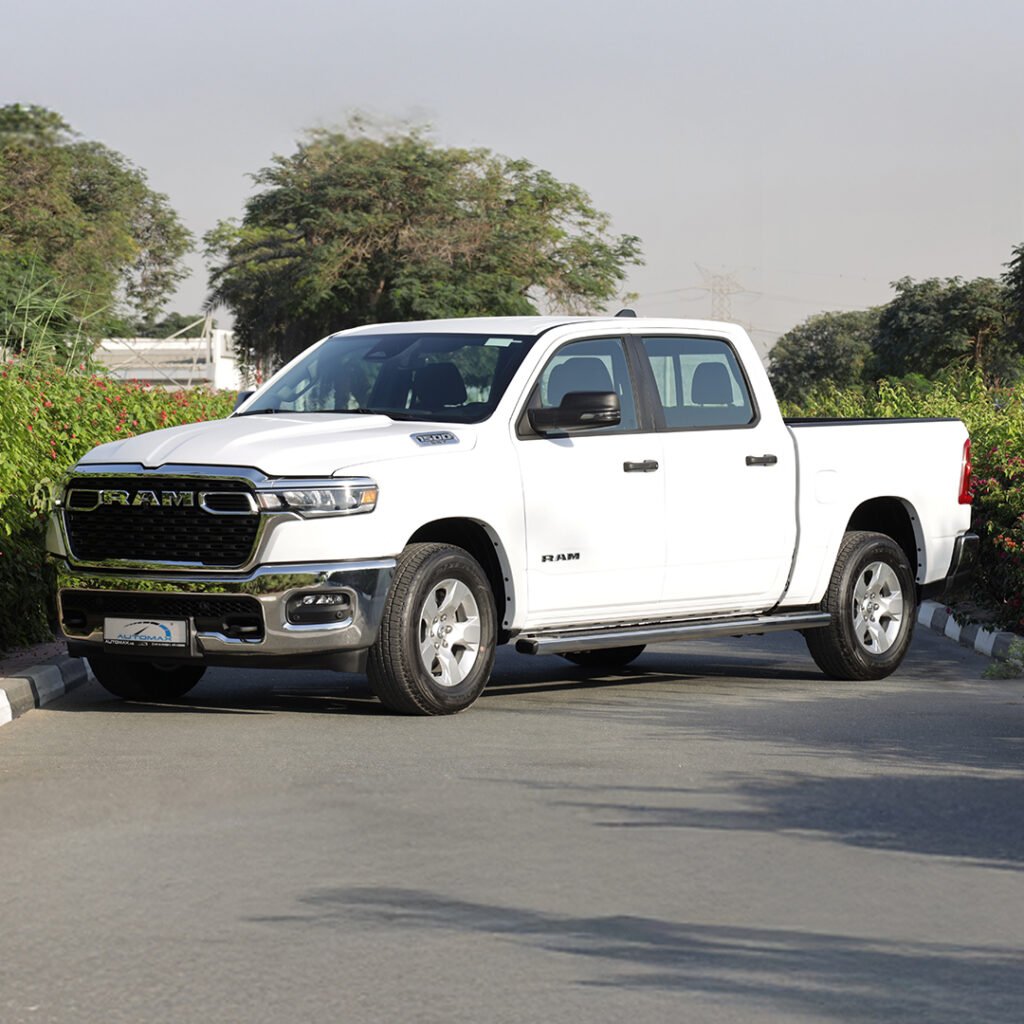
(876, 549)
(450, 563)
(132, 679)
(609, 658)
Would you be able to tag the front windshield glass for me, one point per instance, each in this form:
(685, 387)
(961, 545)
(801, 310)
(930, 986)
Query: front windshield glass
(442, 377)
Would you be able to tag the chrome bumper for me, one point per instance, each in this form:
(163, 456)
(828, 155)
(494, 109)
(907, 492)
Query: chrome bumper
(365, 584)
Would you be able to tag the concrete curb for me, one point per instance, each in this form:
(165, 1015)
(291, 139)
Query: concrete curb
(992, 643)
(37, 685)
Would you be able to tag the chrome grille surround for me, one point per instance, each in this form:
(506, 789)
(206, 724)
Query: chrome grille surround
(192, 518)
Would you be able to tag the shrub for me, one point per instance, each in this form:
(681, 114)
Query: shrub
(49, 418)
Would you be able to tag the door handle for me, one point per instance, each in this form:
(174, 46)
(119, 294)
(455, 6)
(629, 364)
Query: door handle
(762, 460)
(647, 466)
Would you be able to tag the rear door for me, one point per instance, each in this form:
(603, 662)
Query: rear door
(730, 479)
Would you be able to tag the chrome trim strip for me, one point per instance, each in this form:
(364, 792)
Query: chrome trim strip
(565, 642)
(252, 510)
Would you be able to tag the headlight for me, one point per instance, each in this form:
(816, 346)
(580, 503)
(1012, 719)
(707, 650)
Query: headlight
(314, 498)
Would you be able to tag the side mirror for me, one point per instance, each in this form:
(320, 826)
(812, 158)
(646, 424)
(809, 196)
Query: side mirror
(243, 396)
(579, 410)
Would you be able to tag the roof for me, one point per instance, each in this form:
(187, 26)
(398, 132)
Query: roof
(530, 325)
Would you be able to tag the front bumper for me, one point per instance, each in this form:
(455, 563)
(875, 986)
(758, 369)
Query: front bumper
(218, 633)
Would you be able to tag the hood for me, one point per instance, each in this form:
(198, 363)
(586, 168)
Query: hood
(286, 444)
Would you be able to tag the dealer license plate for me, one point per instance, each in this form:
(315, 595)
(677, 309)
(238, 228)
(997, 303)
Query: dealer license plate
(155, 633)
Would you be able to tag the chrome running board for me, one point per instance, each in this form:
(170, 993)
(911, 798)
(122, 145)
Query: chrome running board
(593, 638)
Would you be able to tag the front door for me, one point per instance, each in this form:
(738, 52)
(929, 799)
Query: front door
(594, 500)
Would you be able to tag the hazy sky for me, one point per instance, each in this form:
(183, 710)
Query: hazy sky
(816, 151)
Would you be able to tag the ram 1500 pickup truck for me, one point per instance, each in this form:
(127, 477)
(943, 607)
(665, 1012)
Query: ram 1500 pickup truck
(402, 498)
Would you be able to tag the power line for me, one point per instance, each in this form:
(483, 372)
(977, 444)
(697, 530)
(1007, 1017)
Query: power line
(722, 287)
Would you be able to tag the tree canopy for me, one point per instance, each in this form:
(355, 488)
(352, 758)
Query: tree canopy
(79, 219)
(357, 227)
(927, 328)
(832, 347)
(935, 323)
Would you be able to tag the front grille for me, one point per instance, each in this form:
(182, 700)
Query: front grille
(83, 611)
(160, 519)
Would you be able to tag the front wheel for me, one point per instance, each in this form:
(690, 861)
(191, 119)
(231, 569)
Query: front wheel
(144, 680)
(435, 649)
(872, 599)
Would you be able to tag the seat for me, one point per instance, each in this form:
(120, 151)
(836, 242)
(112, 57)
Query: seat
(581, 373)
(712, 385)
(438, 386)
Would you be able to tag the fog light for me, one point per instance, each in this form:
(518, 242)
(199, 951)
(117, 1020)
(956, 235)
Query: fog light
(318, 609)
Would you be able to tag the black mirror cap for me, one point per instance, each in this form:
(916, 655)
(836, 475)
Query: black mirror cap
(243, 396)
(579, 410)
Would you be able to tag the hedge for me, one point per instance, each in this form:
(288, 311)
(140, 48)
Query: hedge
(49, 418)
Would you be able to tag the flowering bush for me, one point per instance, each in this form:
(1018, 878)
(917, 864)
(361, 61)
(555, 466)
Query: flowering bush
(995, 419)
(49, 418)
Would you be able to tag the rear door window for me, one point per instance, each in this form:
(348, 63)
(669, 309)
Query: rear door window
(700, 383)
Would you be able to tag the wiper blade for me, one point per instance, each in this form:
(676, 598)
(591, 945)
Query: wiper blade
(392, 414)
(257, 412)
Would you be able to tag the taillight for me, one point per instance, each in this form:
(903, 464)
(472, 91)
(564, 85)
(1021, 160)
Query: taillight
(965, 475)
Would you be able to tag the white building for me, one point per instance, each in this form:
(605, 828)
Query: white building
(174, 362)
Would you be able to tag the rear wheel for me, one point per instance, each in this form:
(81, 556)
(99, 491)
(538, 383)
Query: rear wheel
(872, 599)
(436, 645)
(144, 680)
(609, 659)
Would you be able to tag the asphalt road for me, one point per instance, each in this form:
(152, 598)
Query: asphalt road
(717, 835)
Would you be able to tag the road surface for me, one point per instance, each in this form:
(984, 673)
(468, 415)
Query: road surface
(716, 835)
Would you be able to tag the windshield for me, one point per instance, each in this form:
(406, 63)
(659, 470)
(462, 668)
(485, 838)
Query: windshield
(445, 377)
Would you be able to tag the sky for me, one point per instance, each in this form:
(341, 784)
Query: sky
(796, 155)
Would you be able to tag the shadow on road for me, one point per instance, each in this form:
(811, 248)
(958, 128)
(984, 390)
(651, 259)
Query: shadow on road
(830, 975)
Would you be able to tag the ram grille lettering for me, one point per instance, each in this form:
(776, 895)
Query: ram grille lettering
(83, 500)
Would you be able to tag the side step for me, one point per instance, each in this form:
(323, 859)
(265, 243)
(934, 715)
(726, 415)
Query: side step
(597, 637)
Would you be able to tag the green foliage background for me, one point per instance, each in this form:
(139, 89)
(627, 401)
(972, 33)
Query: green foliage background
(49, 418)
(928, 328)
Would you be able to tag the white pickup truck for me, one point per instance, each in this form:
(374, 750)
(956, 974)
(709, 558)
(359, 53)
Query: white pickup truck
(402, 498)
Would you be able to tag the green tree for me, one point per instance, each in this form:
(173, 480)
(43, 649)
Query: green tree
(84, 216)
(357, 227)
(1013, 283)
(934, 324)
(37, 313)
(826, 348)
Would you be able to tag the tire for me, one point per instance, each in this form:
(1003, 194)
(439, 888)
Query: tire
(872, 598)
(608, 660)
(435, 649)
(144, 680)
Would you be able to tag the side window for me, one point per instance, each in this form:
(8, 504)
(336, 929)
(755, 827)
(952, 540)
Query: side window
(598, 365)
(700, 383)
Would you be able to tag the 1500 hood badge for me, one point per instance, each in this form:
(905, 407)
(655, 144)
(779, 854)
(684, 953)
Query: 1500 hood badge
(435, 437)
